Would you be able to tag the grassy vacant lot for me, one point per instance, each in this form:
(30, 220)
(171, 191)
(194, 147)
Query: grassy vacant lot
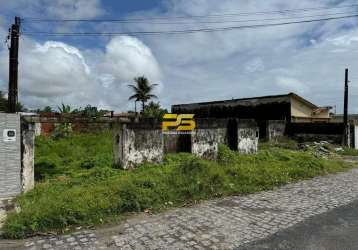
(77, 185)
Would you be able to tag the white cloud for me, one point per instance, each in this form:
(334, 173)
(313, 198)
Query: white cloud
(243, 63)
(76, 9)
(308, 59)
(54, 8)
(291, 85)
(126, 57)
(55, 72)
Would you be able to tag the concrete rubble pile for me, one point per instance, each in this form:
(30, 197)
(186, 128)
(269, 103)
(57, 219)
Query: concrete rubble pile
(322, 149)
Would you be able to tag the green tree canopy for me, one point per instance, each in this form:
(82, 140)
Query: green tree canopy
(154, 110)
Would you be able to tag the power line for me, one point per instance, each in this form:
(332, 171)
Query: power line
(187, 31)
(31, 19)
(251, 20)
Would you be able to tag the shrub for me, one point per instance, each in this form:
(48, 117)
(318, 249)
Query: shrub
(225, 155)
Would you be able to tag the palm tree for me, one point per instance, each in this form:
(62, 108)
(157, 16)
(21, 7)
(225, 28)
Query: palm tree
(142, 90)
(64, 109)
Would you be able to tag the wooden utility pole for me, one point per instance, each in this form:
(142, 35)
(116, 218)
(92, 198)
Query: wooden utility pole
(345, 115)
(13, 65)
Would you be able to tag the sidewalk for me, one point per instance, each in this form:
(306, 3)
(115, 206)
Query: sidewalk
(219, 224)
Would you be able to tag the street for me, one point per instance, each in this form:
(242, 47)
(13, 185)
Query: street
(334, 230)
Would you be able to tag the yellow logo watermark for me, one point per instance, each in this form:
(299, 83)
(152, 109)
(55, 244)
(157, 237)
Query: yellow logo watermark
(178, 123)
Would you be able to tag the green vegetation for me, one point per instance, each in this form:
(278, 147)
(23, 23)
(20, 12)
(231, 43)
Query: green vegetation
(79, 186)
(71, 157)
(281, 142)
(153, 110)
(349, 152)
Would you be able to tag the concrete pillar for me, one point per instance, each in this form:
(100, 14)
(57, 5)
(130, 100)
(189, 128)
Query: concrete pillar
(28, 156)
(205, 142)
(275, 129)
(248, 136)
(118, 142)
(356, 136)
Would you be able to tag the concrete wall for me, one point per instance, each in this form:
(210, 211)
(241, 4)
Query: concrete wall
(205, 142)
(10, 157)
(275, 129)
(207, 136)
(248, 136)
(135, 145)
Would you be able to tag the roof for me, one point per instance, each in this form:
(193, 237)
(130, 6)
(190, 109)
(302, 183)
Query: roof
(260, 99)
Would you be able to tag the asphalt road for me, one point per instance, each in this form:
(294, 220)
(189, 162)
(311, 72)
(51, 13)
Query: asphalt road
(333, 230)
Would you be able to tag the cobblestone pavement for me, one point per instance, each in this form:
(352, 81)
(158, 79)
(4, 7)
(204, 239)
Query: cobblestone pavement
(219, 224)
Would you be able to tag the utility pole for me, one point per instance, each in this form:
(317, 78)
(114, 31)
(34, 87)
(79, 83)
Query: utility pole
(13, 65)
(345, 115)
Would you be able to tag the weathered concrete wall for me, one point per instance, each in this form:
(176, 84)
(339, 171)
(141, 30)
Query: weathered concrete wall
(207, 136)
(135, 144)
(205, 142)
(275, 129)
(142, 146)
(28, 156)
(248, 136)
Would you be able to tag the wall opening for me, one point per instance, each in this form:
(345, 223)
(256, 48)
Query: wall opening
(232, 135)
(117, 139)
(262, 129)
(184, 143)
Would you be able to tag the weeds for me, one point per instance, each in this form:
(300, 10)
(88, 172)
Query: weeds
(79, 186)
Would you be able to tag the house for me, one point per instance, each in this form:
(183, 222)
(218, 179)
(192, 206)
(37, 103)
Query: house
(290, 108)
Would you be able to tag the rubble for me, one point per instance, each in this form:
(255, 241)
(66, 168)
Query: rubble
(322, 149)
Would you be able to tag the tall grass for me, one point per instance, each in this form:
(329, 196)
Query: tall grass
(82, 188)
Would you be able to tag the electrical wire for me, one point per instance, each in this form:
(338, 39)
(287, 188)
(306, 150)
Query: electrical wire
(31, 19)
(250, 20)
(187, 31)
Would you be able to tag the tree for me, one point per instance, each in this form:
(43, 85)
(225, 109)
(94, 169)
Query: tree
(64, 109)
(142, 90)
(153, 110)
(47, 109)
(90, 111)
(4, 104)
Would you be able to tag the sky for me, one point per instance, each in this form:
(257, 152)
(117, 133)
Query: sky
(308, 59)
